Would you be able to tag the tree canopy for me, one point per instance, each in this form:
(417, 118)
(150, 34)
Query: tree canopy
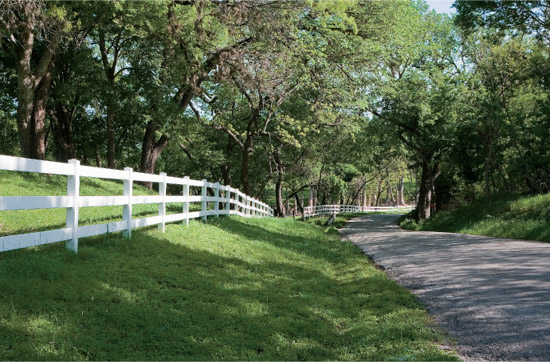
(365, 102)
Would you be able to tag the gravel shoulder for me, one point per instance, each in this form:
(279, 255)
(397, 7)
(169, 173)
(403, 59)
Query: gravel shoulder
(492, 295)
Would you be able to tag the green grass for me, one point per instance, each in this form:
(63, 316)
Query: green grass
(520, 217)
(228, 289)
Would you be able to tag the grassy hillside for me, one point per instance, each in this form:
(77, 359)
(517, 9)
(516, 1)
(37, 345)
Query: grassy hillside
(229, 289)
(32, 184)
(526, 217)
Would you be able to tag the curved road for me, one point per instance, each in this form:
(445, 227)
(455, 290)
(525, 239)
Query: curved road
(491, 295)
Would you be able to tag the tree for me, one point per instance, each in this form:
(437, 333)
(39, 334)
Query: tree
(31, 33)
(520, 16)
(419, 86)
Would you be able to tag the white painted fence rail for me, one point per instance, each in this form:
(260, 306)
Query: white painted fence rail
(341, 209)
(233, 200)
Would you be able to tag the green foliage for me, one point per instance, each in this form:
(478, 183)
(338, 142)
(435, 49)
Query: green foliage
(343, 97)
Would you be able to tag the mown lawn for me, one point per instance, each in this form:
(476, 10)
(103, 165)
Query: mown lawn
(228, 289)
(520, 217)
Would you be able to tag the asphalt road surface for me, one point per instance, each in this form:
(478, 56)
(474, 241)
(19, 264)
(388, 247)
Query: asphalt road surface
(492, 295)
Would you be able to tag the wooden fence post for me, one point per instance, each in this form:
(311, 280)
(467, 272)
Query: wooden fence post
(73, 189)
(217, 196)
(127, 209)
(186, 203)
(228, 199)
(243, 206)
(204, 203)
(162, 205)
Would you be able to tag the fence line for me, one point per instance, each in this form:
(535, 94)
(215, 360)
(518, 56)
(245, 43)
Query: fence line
(339, 209)
(240, 204)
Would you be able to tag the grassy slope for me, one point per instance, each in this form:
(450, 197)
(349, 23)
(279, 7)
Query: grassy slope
(232, 288)
(525, 217)
(32, 184)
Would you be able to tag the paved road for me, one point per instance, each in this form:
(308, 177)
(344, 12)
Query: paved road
(491, 294)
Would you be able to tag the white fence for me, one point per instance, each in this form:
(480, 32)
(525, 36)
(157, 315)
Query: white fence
(232, 202)
(340, 209)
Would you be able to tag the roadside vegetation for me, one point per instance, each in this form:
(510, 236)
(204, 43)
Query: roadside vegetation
(525, 217)
(229, 289)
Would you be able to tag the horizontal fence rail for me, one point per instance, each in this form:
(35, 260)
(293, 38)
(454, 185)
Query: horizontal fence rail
(341, 209)
(227, 201)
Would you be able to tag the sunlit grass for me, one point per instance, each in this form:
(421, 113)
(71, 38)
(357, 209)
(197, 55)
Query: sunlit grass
(229, 289)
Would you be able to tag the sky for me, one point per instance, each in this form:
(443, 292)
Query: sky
(442, 6)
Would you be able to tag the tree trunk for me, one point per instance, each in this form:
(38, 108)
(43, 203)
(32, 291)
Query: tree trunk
(98, 162)
(300, 206)
(34, 73)
(25, 105)
(111, 140)
(245, 163)
(61, 120)
(226, 168)
(400, 192)
(397, 195)
(151, 150)
(286, 207)
(32, 99)
(38, 129)
(487, 170)
(379, 192)
(315, 196)
(426, 198)
(389, 193)
(280, 208)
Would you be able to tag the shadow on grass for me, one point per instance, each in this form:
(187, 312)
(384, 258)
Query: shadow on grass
(152, 299)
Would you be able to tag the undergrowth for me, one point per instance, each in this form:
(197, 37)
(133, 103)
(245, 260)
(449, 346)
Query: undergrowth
(520, 217)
